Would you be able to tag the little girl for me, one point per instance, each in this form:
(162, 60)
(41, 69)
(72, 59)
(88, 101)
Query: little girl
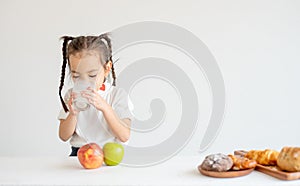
(89, 59)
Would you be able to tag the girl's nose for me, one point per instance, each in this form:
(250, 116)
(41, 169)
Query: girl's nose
(84, 78)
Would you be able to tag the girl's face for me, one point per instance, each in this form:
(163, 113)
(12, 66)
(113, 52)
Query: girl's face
(86, 66)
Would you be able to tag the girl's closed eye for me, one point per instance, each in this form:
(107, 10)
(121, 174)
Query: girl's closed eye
(92, 76)
(75, 77)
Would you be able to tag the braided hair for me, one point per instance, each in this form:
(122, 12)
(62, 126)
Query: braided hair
(101, 44)
(108, 41)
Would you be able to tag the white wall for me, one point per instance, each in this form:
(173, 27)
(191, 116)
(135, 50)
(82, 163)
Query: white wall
(255, 42)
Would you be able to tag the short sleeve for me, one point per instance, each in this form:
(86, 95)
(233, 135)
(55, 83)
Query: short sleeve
(122, 104)
(62, 114)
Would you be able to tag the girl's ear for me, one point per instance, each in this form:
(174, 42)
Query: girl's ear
(107, 68)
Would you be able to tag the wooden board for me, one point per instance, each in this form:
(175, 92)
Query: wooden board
(272, 170)
(226, 174)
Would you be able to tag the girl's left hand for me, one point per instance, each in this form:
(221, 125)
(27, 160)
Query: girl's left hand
(94, 98)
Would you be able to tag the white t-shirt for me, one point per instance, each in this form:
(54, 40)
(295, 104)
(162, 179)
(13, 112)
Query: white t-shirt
(91, 124)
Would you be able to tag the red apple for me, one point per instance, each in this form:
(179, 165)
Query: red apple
(90, 156)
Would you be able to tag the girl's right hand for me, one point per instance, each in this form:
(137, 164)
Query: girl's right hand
(72, 110)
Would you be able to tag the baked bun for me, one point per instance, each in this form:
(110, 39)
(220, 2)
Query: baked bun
(263, 157)
(241, 163)
(217, 162)
(289, 159)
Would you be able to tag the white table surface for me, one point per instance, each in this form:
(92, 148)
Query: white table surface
(180, 170)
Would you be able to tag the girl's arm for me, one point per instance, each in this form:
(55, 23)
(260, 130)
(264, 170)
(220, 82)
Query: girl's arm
(67, 126)
(120, 127)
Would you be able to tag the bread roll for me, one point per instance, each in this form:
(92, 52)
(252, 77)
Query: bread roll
(240, 163)
(263, 157)
(217, 162)
(289, 159)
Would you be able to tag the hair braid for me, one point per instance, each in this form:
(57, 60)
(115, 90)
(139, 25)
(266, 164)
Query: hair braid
(108, 41)
(63, 69)
(113, 73)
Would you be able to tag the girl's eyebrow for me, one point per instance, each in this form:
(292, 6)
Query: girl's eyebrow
(93, 70)
(73, 71)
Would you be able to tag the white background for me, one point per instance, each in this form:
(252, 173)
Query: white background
(256, 44)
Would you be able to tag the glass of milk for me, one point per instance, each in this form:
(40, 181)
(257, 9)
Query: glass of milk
(80, 103)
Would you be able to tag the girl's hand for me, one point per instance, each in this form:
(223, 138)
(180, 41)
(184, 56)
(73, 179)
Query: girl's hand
(72, 110)
(94, 99)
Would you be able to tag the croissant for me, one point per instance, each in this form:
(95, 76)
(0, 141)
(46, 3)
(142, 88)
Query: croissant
(263, 157)
(240, 163)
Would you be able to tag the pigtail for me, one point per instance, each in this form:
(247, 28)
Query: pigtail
(113, 72)
(109, 47)
(63, 69)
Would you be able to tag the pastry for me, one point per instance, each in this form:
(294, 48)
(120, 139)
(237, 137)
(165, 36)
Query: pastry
(217, 162)
(289, 159)
(263, 157)
(241, 163)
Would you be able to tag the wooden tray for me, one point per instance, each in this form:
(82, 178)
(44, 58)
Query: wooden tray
(226, 174)
(272, 170)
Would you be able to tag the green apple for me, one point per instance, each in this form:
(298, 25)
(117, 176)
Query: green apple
(113, 153)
